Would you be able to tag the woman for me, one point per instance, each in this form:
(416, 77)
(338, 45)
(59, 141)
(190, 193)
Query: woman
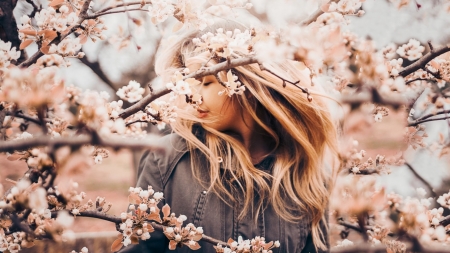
(244, 165)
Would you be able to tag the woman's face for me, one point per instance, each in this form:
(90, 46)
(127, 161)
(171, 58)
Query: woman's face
(220, 111)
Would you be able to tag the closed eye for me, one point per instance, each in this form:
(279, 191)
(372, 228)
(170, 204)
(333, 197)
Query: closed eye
(207, 83)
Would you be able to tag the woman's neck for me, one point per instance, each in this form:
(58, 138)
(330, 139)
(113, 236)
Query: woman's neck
(257, 142)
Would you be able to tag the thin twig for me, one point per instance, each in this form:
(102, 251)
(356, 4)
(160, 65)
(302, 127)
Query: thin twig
(421, 179)
(372, 95)
(35, 8)
(197, 74)
(137, 121)
(418, 122)
(315, 15)
(93, 16)
(418, 79)
(19, 114)
(432, 115)
(121, 5)
(445, 221)
(350, 226)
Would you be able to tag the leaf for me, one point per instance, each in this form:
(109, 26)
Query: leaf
(27, 244)
(25, 44)
(155, 217)
(268, 245)
(14, 157)
(196, 246)
(45, 49)
(177, 26)
(134, 199)
(134, 239)
(172, 245)
(166, 210)
(83, 38)
(56, 3)
(50, 35)
(197, 237)
(150, 228)
(117, 244)
(28, 32)
(325, 7)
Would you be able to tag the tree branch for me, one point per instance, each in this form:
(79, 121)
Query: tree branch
(97, 69)
(121, 5)
(445, 221)
(418, 79)
(117, 220)
(350, 226)
(418, 122)
(197, 74)
(432, 115)
(81, 17)
(373, 96)
(422, 62)
(115, 143)
(96, 15)
(430, 188)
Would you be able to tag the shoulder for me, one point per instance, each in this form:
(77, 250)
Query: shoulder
(161, 160)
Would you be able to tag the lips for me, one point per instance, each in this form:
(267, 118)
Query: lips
(202, 113)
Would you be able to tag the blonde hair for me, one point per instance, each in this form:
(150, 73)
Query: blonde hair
(303, 132)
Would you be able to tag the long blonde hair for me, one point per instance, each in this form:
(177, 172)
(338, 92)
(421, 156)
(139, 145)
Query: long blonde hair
(303, 132)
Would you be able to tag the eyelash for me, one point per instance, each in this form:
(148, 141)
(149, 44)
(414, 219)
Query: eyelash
(207, 83)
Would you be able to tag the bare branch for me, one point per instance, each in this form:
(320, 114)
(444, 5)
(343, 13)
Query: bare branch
(140, 106)
(315, 15)
(430, 188)
(121, 5)
(97, 69)
(19, 114)
(350, 226)
(445, 221)
(422, 62)
(433, 114)
(374, 96)
(93, 16)
(35, 8)
(418, 122)
(418, 79)
(116, 143)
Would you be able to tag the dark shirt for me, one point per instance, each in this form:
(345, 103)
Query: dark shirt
(169, 171)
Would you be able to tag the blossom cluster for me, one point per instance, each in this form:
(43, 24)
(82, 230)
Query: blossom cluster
(411, 51)
(132, 92)
(7, 54)
(225, 43)
(347, 7)
(143, 209)
(255, 245)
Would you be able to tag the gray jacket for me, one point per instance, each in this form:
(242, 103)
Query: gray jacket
(169, 171)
